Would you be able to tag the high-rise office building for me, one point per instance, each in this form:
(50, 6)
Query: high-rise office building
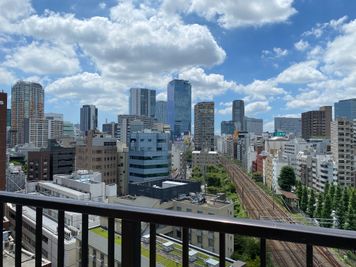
(27, 102)
(55, 125)
(253, 125)
(3, 111)
(288, 125)
(131, 123)
(227, 127)
(149, 157)
(88, 118)
(161, 111)
(204, 126)
(68, 129)
(111, 129)
(8, 118)
(345, 109)
(179, 106)
(316, 123)
(142, 102)
(342, 149)
(238, 114)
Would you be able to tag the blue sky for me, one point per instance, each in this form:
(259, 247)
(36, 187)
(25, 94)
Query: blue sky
(281, 56)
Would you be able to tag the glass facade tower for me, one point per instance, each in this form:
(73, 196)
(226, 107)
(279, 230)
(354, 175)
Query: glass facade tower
(346, 109)
(179, 106)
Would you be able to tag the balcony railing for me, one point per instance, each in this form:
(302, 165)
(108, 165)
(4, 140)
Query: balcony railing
(131, 229)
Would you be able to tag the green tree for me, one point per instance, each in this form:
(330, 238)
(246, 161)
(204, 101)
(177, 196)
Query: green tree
(299, 191)
(326, 189)
(257, 177)
(319, 209)
(332, 190)
(350, 223)
(337, 198)
(197, 175)
(311, 204)
(326, 212)
(304, 201)
(343, 208)
(287, 178)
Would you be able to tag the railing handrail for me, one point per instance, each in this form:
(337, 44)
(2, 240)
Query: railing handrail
(327, 237)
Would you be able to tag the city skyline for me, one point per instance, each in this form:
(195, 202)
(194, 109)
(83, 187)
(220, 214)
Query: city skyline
(225, 57)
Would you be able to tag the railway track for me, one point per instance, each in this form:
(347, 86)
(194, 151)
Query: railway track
(259, 205)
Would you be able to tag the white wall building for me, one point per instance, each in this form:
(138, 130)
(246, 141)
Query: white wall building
(49, 238)
(323, 171)
(342, 148)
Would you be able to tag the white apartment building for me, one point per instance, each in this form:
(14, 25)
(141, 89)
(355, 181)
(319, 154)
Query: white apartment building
(303, 167)
(38, 132)
(49, 238)
(55, 125)
(81, 185)
(291, 150)
(342, 149)
(323, 171)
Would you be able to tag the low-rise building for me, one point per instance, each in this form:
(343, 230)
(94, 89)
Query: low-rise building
(15, 178)
(323, 171)
(202, 159)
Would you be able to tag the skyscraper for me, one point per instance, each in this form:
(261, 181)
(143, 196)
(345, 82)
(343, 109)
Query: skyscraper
(204, 126)
(238, 114)
(227, 127)
(161, 111)
(27, 102)
(3, 111)
(142, 102)
(179, 106)
(345, 109)
(288, 125)
(88, 118)
(8, 118)
(316, 123)
(253, 125)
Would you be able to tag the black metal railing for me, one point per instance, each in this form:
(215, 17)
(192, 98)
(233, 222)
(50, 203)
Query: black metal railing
(131, 225)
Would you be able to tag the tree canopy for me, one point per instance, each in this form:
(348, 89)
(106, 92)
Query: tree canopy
(286, 178)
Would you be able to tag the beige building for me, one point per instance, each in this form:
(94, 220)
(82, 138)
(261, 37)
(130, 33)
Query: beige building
(103, 154)
(342, 149)
(202, 159)
(272, 166)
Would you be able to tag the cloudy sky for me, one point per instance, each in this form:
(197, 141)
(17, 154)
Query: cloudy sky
(281, 56)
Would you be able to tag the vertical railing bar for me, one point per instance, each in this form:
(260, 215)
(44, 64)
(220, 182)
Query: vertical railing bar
(152, 245)
(18, 235)
(185, 250)
(84, 240)
(131, 243)
(1, 234)
(39, 213)
(111, 241)
(263, 252)
(309, 255)
(222, 249)
(60, 245)
(2, 230)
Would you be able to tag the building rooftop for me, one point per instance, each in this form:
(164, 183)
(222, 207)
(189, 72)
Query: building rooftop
(98, 239)
(27, 259)
(63, 189)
